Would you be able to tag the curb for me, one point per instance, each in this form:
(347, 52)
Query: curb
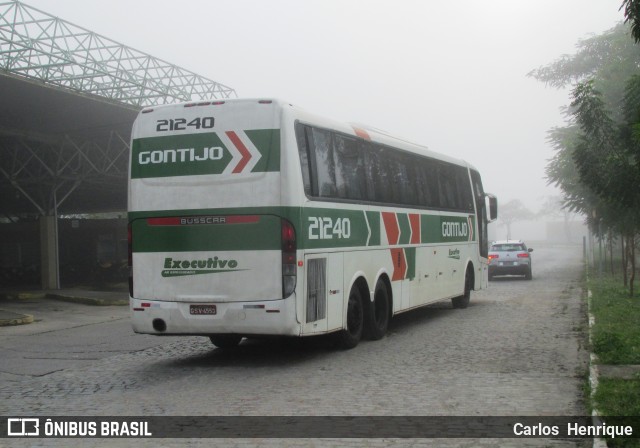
(22, 320)
(87, 300)
(593, 375)
(22, 295)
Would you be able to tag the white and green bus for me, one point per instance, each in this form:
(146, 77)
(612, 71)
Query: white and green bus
(251, 218)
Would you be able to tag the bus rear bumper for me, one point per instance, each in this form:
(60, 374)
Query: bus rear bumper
(272, 317)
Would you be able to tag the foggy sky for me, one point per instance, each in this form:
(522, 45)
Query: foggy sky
(448, 75)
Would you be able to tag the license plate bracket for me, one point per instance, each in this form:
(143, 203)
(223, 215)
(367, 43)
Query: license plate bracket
(203, 310)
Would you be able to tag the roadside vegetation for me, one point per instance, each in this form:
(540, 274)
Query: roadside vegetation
(596, 163)
(616, 334)
(616, 340)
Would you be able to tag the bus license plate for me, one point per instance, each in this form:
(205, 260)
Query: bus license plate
(202, 309)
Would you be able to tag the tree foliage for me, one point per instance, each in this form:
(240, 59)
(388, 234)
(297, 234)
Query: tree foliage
(597, 158)
(606, 155)
(632, 15)
(609, 59)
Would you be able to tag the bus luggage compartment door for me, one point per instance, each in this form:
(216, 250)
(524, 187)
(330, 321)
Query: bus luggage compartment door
(323, 295)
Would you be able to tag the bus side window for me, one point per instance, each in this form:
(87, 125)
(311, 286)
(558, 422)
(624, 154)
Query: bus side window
(325, 166)
(481, 217)
(303, 151)
(446, 182)
(464, 189)
(375, 176)
(427, 183)
(349, 168)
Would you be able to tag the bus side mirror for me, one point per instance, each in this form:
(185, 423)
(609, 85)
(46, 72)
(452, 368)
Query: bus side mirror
(493, 207)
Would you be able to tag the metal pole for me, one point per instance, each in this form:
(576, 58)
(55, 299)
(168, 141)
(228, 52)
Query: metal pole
(599, 248)
(56, 242)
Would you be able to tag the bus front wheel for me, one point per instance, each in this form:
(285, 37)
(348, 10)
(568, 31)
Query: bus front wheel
(350, 337)
(463, 300)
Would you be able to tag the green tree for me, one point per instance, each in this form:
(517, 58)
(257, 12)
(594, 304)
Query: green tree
(608, 160)
(597, 159)
(632, 15)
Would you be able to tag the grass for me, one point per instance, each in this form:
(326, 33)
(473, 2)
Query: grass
(616, 340)
(616, 397)
(616, 334)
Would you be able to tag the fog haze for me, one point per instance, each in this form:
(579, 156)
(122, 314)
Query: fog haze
(448, 75)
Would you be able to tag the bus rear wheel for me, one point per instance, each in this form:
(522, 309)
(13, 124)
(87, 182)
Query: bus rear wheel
(226, 340)
(350, 337)
(377, 320)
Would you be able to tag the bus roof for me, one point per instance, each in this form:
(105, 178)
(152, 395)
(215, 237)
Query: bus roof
(358, 130)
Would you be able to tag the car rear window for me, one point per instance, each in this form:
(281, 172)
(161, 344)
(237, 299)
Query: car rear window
(507, 247)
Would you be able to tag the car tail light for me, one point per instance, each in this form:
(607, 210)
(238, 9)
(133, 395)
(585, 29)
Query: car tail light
(493, 256)
(289, 262)
(130, 258)
(524, 255)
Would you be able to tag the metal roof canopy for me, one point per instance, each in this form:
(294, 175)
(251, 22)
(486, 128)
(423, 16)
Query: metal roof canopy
(61, 152)
(69, 99)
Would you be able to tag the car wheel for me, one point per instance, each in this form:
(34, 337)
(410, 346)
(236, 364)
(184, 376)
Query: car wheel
(529, 275)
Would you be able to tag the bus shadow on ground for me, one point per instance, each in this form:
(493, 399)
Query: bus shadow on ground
(275, 351)
(404, 322)
(260, 352)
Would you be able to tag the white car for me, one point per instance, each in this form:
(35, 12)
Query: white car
(509, 257)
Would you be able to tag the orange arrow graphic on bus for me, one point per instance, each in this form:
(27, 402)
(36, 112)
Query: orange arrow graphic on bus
(399, 264)
(242, 149)
(391, 227)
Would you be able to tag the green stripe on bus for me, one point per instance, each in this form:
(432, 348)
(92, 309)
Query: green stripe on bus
(374, 224)
(316, 228)
(410, 253)
(405, 228)
(267, 142)
(204, 153)
(263, 235)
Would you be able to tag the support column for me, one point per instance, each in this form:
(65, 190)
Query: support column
(49, 252)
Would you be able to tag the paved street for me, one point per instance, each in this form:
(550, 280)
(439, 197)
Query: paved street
(517, 350)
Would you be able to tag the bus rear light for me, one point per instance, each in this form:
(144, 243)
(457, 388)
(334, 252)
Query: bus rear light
(289, 258)
(146, 111)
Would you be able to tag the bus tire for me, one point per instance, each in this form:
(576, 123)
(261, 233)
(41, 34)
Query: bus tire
(377, 320)
(226, 340)
(350, 337)
(463, 300)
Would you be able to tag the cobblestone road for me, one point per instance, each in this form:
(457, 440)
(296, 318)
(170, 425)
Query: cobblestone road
(517, 350)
